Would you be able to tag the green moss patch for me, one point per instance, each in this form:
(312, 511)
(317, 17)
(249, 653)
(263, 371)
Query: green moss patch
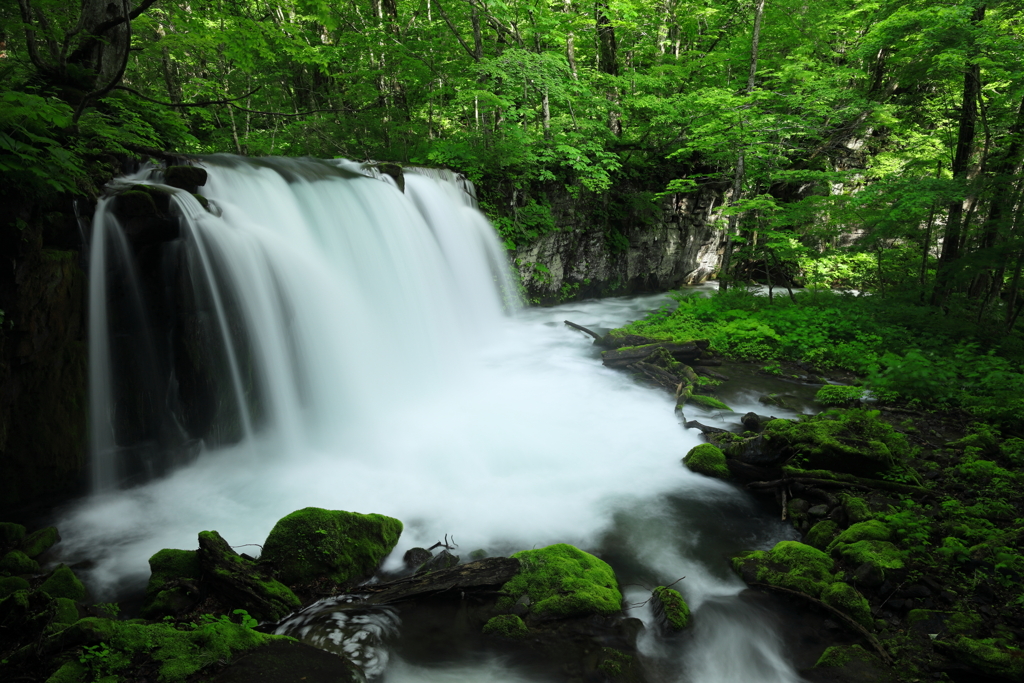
(165, 595)
(987, 657)
(707, 460)
(11, 584)
(17, 562)
(563, 581)
(820, 535)
(872, 530)
(853, 441)
(345, 546)
(882, 554)
(11, 533)
(63, 583)
(507, 626)
(790, 565)
(709, 402)
(670, 603)
(849, 601)
(856, 508)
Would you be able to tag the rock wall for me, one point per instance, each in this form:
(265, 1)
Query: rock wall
(43, 356)
(682, 246)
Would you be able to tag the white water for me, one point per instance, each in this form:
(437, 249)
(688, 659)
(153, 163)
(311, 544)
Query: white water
(393, 382)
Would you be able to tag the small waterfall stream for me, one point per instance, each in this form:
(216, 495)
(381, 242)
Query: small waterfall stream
(345, 345)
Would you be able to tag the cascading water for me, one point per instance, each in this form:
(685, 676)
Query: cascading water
(341, 344)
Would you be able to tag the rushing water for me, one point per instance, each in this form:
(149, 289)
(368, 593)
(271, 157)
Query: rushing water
(368, 364)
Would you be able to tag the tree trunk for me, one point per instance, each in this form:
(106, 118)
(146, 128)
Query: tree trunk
(608, 63)
(964, 145)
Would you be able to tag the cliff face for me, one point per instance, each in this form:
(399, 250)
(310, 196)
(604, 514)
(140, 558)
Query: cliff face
(43, 356)
(680, 247)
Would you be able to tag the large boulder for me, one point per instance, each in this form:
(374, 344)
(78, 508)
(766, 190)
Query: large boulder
(790, 565)
(173, 586)
(345, 547)
(239, 582)
(562, 581)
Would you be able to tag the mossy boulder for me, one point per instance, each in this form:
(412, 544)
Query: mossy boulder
(11, 584)
(670, 608)
(172, 588)
(10, 534)
(789, 564)
(709, 402)
(871, 530)
(852, 663)
(185, 177)
(346, 547)
(821, 534)
(984, 655)
(17, 562)
(509, 626)
(563, 581)
(707, 460)
(63, 583)
(856, 508)
(881, 554)
(853, 441)
(38, 542)
(849, 601)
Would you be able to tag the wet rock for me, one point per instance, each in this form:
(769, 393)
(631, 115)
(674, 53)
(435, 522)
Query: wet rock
(670, 610)
(789, 564)
(63, 583)
(818, 511)
(751, 422)
(188, 178)
(173, 587)
(868, 575)
(563, 581)
(38, 542)
(11, 534)
(345, 547)
(778, 400)
(12, 584)
(443, 560)
(848, 664)
(414, 558)
(820, 535)
(849, 601)
(18, 563)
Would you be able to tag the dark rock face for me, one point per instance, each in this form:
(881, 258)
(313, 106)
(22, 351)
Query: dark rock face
(681, 246)
(43, 358)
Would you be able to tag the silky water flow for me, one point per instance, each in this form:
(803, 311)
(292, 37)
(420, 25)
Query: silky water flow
(363, 351)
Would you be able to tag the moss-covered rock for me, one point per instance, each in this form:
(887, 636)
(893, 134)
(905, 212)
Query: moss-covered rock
(172, 573)
(10, 534)
(853, 441)
(820, 535)
(709, 402)
(563, 581)
(185, 177)
(707, 460)
(347, 547)
(881, 554)
(790, 565)
(670, 607)
(63, 583)
(928, 621)
(855, 663)
(38, 542)
(856, 508)
(239, 581)
(507, 626)
(10, 584)
(871, 530)
(65, 611)
(998, 662)
(849, 601)
(17, 562)
(71, 672)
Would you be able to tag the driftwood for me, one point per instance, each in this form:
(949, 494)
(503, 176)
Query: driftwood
(483, 575)
(593, 334)
(693, 424)
(622, 357)
(849, 621)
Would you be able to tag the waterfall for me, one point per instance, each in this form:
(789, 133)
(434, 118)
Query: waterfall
(318, 337)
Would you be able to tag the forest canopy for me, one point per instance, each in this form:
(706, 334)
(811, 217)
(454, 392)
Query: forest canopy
(885, 135)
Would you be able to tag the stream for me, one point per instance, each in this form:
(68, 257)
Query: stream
(369, 324)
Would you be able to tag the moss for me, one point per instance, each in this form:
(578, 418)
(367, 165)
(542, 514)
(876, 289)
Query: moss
(617, 665)
(63, 583)
(820, 535)
(849, 601)
(164, 597)
(707, 460)
(11, 533)
(563, 581)
(882, 554)
(38, 542)
(856, 508)
(670, 602)
(987, 657)
(956, 623)
(872, 530)
(65, 611)
(10, 584)
(790, 565)
(841, 655)
(241, 580)
(708, 402)
(853, 441)
(507, 626)
(72, 672)
(17, 562)
(838, 395)
(345, 546)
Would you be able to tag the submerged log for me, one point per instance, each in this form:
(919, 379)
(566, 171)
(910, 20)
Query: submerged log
(483, 575)
(595, 335)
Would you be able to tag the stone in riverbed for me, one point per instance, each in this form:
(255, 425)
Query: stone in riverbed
(707, 460)
(790, 565)
(670, 610)
(563, 581)
(313, 543)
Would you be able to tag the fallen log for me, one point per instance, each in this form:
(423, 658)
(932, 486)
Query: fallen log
(628, 355)
(593, 334)
(482, 575)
